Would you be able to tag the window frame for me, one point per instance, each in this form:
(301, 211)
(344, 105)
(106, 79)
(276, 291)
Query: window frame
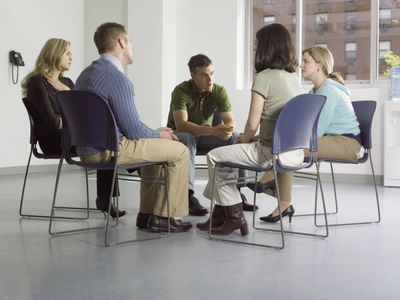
(374, 77)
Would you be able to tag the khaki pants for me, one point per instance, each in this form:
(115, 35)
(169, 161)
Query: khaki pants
(329, 146)
(338, 147)
(252, 154)
(151, 194)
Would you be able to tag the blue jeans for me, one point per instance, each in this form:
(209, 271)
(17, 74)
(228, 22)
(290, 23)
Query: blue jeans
(205, 143)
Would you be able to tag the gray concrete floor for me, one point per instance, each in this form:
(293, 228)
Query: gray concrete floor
(356, 262)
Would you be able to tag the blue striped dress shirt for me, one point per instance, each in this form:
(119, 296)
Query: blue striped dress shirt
(105, 78)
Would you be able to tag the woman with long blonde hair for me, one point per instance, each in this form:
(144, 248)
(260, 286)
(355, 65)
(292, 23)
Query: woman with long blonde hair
(338, 128)
(39, 88)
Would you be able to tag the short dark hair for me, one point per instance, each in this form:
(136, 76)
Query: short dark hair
(107, 35)
(275, 49)
(199, 60)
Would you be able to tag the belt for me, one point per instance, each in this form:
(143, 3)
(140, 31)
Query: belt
(356, 137)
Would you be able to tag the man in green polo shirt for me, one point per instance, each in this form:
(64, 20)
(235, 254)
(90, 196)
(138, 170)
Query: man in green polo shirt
(192, 108)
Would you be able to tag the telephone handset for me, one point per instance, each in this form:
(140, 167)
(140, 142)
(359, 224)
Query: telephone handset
(16, 58)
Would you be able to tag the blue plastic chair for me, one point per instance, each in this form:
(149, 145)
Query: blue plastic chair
(88, 121)
(364, 111)
(33, 140)
(296, 128)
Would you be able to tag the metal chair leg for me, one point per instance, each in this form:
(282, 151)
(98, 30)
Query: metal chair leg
(376, 197)
(318, 184)
(39, 216)
(53, 207)
(311, 176)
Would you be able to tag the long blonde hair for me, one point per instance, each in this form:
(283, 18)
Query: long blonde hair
(49, 58)
(324, 56)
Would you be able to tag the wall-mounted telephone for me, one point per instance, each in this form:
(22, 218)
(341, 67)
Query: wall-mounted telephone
(16, 58)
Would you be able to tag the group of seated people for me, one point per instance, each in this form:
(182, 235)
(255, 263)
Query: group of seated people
(193, 104)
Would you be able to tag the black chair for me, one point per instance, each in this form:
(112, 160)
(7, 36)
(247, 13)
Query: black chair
(296, 128)
(364, 111)
(35, 151)
(89, 121)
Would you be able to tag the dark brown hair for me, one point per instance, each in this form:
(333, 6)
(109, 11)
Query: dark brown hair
(275, 49)
(107, 35)
(199, 60)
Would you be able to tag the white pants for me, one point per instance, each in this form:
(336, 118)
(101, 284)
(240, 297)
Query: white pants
(252, 154)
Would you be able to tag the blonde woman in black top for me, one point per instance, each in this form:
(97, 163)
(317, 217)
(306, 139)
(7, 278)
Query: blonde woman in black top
(39, 87)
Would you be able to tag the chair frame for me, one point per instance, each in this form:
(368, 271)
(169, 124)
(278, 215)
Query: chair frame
(279, 146)
(68, 112)
(365, 107)
(34, 150)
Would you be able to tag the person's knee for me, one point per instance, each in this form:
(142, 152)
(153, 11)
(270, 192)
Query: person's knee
(186, 138)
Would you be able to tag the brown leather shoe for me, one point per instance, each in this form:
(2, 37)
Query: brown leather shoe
(218, 218)
(234, 220)
(142, 219)
(260, 187)
(195, 208)
(160, 224)
(247, 206)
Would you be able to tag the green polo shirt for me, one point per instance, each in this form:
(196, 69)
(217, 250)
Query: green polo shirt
(200, 108)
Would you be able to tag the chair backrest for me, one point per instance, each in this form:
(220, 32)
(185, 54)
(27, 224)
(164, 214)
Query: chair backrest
(87, 121)
(296, 127)
(33, 134)
(364, 111)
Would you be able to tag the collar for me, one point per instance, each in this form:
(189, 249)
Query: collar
(112, 59)
(196, 90)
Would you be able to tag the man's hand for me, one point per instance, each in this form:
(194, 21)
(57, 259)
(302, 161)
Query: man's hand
(223, 131)
(167, 133)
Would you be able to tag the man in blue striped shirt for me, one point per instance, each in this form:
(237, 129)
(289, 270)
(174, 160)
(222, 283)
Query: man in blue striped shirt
(138, 142)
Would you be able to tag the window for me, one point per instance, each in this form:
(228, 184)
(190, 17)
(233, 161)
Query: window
(385, 18)
(351, 21)
(293, 23)
(349, 34)
(321, 23)
(351, 52)
(282, 12)
(350, 77)
(269, 20)
(389, 32)
(384, 47)
(341, 13)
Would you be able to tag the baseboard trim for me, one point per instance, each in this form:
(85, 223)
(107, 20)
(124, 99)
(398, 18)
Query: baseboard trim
(36, 169)
(354, 178)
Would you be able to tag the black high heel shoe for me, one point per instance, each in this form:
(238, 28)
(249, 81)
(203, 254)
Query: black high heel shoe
(103, 207)
(273, 219)
(260, 187)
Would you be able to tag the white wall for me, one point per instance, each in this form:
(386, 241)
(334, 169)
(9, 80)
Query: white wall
(165, 33)
(25, 25)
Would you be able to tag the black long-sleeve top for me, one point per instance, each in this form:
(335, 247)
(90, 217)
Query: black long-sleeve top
(42, 97)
